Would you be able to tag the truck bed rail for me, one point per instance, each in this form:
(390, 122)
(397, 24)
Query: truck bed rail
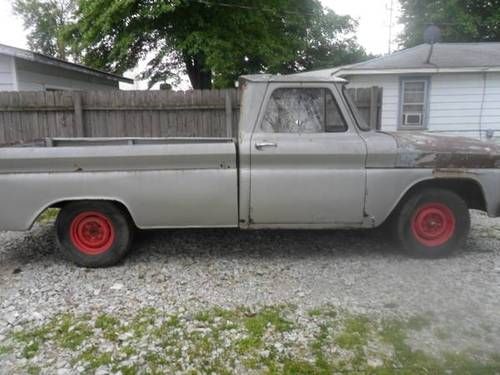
(116, 141)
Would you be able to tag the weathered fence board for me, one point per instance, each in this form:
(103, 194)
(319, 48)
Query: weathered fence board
(369, 103)
(29, 116)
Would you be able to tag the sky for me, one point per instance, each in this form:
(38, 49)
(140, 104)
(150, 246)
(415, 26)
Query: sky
(373, 17)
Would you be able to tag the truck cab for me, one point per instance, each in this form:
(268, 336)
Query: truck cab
(302, 159)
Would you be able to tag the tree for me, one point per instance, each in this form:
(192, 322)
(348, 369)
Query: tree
(459, 20)
(46, 21)
(214, 41)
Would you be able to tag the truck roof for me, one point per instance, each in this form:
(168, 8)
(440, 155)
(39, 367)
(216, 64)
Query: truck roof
(290, 78)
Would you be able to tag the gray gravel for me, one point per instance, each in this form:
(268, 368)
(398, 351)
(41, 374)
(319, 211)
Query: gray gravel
(192, 270)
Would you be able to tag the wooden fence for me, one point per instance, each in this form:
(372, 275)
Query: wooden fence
(369, 102)
(30, 116)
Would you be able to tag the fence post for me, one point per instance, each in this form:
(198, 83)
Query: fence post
(229, 115)
(77, 104)
(373, 107)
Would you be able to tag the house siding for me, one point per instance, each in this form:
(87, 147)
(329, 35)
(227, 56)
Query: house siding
(6, 76)
(455, 103)
(21, 75)
(37, 81)
(465, 104)
(37, 77)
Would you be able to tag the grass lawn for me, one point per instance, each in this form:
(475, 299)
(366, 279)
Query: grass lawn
(272, 340)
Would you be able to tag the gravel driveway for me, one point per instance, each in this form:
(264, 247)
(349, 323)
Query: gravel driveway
(181, 273)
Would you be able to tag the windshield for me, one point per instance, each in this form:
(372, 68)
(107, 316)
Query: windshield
(354, 110)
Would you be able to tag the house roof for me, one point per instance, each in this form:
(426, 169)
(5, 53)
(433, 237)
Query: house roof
(427, 58)
(19, 53)
(290, 78)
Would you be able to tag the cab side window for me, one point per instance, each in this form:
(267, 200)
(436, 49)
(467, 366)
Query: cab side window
(303, 110)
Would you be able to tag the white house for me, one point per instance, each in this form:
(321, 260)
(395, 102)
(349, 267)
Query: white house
(22, 70)
(445, 87)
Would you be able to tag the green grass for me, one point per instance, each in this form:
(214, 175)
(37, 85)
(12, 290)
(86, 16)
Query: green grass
(256, 325)
(213, 341)
(355, 333)
(66, 330)
(271, 316)
(31, 340)
(5, 349)
(33, 370)
(92, 359)
(31, 349)
(109, 325)
(70, 332)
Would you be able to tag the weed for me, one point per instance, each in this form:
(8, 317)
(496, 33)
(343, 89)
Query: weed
(31, 349)
(109, 325)
(4, 349)
(93, 359)
(355, 333)
(33, 370)
(207, 346)
(71, 332)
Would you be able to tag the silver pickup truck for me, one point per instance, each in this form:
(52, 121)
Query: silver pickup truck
(303, 158)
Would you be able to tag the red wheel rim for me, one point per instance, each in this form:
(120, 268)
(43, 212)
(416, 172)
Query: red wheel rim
(92, 233)
(433, 224)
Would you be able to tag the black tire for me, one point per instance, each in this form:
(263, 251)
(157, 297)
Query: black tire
(432, 223)
(93, 234)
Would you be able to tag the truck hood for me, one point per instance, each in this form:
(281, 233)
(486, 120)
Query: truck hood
(426, 150)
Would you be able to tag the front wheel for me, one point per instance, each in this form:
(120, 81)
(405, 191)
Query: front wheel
(93, 234)
(432, 223)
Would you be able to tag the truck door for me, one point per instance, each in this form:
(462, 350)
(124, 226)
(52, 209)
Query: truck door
(307, 160)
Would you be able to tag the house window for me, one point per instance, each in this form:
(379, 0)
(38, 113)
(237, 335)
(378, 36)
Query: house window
(413, 103)
(303, 110)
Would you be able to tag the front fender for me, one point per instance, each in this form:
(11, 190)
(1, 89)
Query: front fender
(387, 187)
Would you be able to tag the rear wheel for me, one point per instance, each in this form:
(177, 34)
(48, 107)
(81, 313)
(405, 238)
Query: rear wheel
(432, 223)
(93, 234)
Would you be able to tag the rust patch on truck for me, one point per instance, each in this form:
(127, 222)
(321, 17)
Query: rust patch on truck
(454, 172)
(423, 150)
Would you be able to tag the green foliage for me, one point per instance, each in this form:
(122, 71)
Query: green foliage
(47, 21)
(212, 41)
(459, 20)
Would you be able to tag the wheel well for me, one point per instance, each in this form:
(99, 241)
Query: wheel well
(468, 189)
(118, 204)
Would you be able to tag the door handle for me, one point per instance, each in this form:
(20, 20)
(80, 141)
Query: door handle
(262, 145)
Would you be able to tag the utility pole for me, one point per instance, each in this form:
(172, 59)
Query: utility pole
(390, 9)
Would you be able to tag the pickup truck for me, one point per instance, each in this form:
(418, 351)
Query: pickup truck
(302, 158)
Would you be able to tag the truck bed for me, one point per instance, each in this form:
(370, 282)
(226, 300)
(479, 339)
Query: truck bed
(163, 182)
(113, 154)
